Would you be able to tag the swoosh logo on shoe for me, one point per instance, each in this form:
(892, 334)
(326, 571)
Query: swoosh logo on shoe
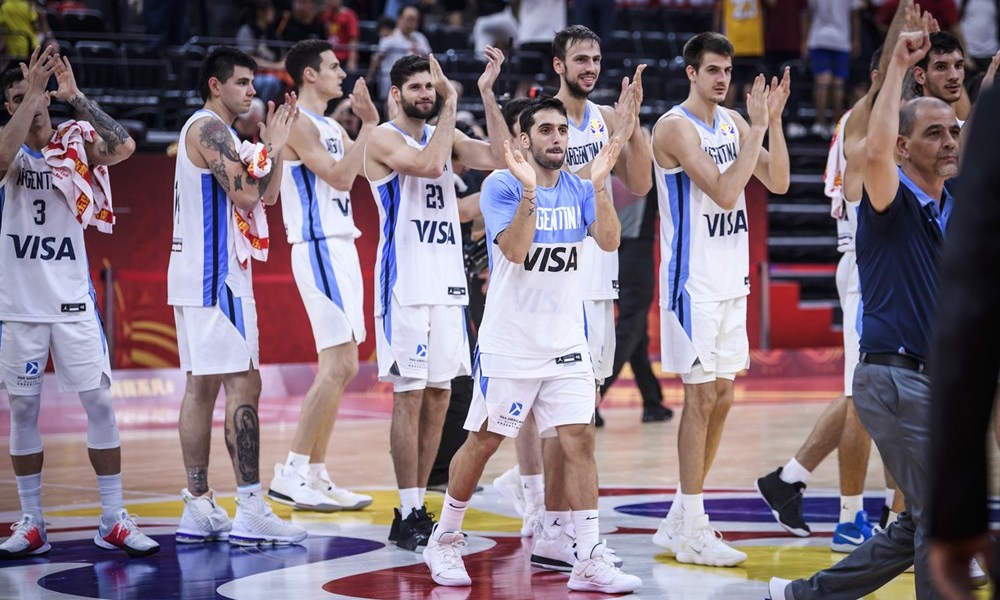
(854, 540)
(591, 518)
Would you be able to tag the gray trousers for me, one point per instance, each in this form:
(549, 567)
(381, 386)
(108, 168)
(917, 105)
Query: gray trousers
(894, 405)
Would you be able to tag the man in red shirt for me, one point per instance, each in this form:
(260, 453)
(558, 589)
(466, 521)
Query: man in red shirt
(342, 27)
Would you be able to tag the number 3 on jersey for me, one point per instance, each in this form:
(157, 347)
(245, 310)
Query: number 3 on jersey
(40, 212)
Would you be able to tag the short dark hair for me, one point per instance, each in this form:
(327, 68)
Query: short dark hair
(527, 118)
(512, 111)
(942, 42)
(220, 63)
(9, 78)
(565, 38)
(305, 54)
(407, 67)
(709, 41)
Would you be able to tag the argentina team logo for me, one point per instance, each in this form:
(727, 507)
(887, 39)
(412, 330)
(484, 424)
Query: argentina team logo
(597, 128)
(31, 368)
(515, 409)
(422, 350)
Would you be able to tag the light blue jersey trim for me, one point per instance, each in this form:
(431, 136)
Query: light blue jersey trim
(678, 269)
(305, 186)
(702, 124)
(388, 194)
(322, 266)
(216, 239)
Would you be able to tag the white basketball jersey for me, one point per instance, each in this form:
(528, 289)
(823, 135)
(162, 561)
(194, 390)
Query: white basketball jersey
(844, 212)
(44, 276)
(312, 209)
(704, 249)
(535, 308)
(599, 268)
(203, 254)
(419, 258)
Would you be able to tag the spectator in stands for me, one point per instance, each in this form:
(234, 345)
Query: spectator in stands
(783, 43)
(979, 24)
(833, 38)
(495, 26)
(538, 21)
(742, 21)
(342, 31)
(301, 23)
(20, 23)
(596, 15)
(167, 20)
(255, 37)
(403, 41)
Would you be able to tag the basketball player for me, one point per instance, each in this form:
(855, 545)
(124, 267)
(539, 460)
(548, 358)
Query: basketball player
(321, 162)
(533, 349)
(212, 295)
(420, 288)
(703, 156)
(47, 302)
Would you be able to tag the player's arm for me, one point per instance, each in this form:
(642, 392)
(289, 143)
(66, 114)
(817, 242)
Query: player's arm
(476, 154)
(606, 228)
(635, 161)
(40, 67)
(773, 167)
(496, 126)
(113, 144)
(339, 174)
(881, 179)
(515, 239)
(468, 208)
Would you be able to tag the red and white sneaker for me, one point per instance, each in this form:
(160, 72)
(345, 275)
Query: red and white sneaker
(124, 534)
(27, 539)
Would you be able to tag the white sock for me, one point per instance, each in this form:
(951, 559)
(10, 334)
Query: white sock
(534, 489)
(409, 500)
(452, 514)
(675, 507)
(893, 516)
(849, 507)
(694, 507)
(794, 472)
(588, 533)
(29, 488)
(890, 495)
(246, 492)
(555, 522)
(294, 461)
(423, 492)
(112, 500)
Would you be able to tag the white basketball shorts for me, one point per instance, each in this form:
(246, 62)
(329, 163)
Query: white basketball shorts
(220, 339)
(328, 275)
(504, 403)
(850, 303)
(79, 353)
(421, 346)
(713, 337)
(600, 325)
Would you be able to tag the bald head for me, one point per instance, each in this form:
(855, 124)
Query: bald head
(919, 109)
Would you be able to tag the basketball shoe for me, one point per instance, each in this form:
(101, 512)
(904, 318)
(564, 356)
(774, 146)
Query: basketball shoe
(124, 534)
(202, 520)
(510, 487)
(293, 487)
(785, 502)
(598, 573)
(850, 535)
(255, 524)
(345, 499)
(444, 558)
(553, 553)
(27, 539)
(669, 531)
(703, 545)
(413, 531)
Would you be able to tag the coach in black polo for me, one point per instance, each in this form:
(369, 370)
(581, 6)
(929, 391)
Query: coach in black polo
(901, 227)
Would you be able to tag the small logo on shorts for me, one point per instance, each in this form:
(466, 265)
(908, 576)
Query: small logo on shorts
(569, 358)
(515, 409)
(31, 368)
(614, 284)
(73, 308)
(456, 291)
(422, 350)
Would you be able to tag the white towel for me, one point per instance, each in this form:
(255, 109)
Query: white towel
(87, 191)
(833, 175)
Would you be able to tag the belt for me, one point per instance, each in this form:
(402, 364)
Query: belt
(894, 360)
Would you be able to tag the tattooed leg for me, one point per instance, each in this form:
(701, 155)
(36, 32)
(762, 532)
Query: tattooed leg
(243, 425)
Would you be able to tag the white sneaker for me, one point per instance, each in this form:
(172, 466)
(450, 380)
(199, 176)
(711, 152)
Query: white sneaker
(554, 554)
(703, 545)
(444, 558)
(346, 499)
(776, 588)
(292, 488)
(256, 524)
(532, 521)
(202, 520)
(510, 487)
(977, 577)
(124, 534)
(27, 538)
(599, 574)
(669, 531)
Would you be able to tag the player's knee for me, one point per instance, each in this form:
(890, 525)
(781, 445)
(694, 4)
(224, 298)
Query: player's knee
(483, 444)
(102, 429)
(576, 441)
(25, 438)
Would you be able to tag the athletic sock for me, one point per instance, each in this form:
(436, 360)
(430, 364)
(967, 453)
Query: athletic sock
(694, 507)
(794, 472)
(534, 489)
(890, 495)
(422, 494)
(29, 488)
(245, 492)
(849, 507)
(112, 498)
(452, 514)
(675, 507)
(555, 522)
(588, 533)
(409, 500)
(294, 461)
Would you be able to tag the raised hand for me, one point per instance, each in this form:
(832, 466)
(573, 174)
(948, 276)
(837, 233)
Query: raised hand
(991, 73)
(777, 96)
(278, 122)
(757, 103)
(605, 160)
(442, 86)
(41, 65)
(519, 167)
(361, 103)
(911, 47)
(626, 110)
(67, 88)
(494, 59)
(637, 80)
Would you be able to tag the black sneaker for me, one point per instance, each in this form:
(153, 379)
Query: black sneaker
(598, 419)
(656, 413)
(785, 501)
(426, 520)
(883, 521)
(397, 518)
(413, 531)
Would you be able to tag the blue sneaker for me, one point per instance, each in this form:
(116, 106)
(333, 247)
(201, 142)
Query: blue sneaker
(848, 536)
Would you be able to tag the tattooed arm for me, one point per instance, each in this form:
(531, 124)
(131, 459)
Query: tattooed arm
(114, 144)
